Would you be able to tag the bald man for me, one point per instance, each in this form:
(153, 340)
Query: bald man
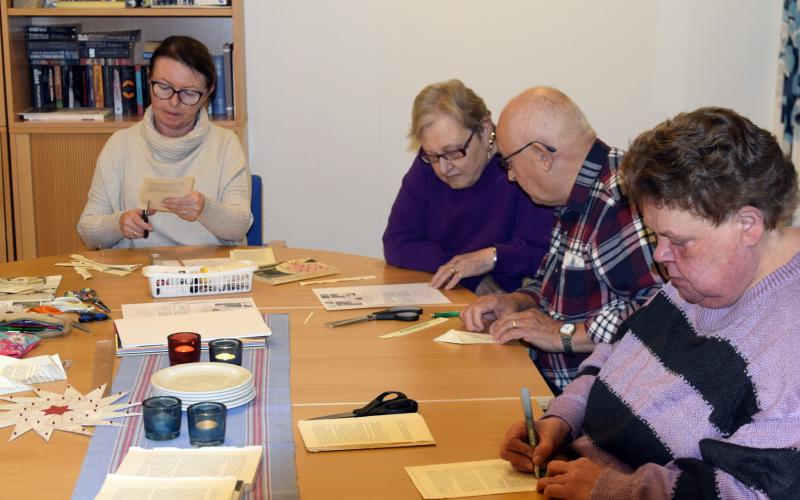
(600, 264)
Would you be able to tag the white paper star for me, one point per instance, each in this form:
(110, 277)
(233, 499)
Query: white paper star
(70, 412)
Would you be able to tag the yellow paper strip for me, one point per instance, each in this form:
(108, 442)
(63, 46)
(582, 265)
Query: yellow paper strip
(337, 280)
(413, 329)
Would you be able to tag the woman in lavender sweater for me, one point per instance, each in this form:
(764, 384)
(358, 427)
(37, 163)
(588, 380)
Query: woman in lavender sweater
(456, 214)
(698, 395)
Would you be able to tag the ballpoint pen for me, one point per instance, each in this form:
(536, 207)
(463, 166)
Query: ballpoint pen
(526, 408)
(446, 314)
(146, 218)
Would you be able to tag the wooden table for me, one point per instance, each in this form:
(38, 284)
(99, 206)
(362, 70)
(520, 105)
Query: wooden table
(468, 394)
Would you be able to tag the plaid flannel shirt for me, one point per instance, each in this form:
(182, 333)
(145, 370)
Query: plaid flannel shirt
(600, 265)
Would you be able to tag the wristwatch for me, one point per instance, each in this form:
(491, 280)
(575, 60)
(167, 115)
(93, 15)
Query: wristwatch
(566, 331)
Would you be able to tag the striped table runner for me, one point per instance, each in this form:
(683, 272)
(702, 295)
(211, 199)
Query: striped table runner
(267, 420)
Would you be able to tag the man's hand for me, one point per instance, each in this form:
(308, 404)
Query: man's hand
(463, 266)
(534, 326)
(478, 315)
(570, 480)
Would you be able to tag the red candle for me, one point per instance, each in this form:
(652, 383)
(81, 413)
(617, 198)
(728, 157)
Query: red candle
(183, 347)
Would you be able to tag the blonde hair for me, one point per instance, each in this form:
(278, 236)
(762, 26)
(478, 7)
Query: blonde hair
(450, 98)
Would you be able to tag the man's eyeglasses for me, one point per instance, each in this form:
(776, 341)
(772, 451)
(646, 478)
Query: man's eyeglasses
(431, 158)
(187, 96)
(505, 164)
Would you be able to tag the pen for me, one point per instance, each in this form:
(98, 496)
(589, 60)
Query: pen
(146, 219)
(526, 408)
(446, 314)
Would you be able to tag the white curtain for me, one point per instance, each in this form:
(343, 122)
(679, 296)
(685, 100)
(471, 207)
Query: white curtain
(787, 127)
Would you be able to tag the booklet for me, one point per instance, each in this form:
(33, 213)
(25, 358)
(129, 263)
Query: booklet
(117, 487)
(381, 431)
(469, 479)
(293, 270)
(68, 115)
(361, 297)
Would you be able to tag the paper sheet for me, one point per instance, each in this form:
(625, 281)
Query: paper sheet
(195, 462)
(187, 307)
(17, 374)
(461, 337)
(360, 297)
(383, 431)
(117, 487)
(261, 256)
(20, 293)
(413, 329)
(469, 479)
(155, 190)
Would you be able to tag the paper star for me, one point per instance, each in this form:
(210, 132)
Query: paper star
(70, 412)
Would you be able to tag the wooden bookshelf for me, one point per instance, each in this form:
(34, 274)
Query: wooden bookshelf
(6, 232)
(51, 164)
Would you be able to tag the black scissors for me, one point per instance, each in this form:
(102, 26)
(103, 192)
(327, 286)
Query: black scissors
(380, 406)
(402, 313)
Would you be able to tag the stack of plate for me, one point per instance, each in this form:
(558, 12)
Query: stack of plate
(197, 382)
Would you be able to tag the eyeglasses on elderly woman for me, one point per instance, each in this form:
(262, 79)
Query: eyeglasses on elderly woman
(165, 91)
(505, 162)
(457, 154)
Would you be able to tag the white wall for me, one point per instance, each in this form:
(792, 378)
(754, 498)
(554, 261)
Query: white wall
(330, 85)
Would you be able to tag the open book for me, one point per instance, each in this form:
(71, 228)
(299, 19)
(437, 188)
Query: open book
(381, 431)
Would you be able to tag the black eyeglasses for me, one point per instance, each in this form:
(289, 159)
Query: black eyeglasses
(431, 158)
(187, 96)
(505, 164)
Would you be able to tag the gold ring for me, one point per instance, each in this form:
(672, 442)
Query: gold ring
(453, 270)
(513, 324)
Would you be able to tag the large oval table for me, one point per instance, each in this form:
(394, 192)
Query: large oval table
(468, 394)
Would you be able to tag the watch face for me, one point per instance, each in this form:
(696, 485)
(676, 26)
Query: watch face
(567, 329)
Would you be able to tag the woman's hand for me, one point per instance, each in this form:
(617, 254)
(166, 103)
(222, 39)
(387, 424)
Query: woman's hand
(464, 266)
(132, 225)
(188, 207)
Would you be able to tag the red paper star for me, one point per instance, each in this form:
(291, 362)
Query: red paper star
(56, 410)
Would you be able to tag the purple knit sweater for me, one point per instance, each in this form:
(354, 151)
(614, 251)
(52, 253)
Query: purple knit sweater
(691, 402)
(431, 223)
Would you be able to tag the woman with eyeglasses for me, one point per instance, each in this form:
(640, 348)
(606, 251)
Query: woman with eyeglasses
(456, 214)
(175, 139)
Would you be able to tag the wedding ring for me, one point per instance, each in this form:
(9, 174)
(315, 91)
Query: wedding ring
(513, 324)
(453, 270)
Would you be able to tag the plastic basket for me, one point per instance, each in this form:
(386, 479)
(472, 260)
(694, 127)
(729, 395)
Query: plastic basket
(193, 282)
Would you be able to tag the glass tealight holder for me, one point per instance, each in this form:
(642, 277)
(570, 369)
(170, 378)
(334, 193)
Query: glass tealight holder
(206, 424)
(161, 416)
(183, 347)
(225, 351)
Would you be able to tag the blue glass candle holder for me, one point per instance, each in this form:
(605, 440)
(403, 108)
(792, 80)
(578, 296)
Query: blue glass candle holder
(225, 351)
(207, 424)
(161, 417)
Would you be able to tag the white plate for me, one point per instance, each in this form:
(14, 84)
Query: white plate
(218, 394)
(231, 403)
(201, 377)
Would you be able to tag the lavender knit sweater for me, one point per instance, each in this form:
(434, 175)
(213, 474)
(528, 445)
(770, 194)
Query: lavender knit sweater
(691, 402)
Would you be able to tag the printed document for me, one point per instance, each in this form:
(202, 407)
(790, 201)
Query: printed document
(361, 297)
(381, 431)
(117, 487)
(469, 479)
(225, 461)
(153, 191)
(17, 374)
(186, 307)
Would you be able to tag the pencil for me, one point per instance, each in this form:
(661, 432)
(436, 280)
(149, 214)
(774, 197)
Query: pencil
(528, 410)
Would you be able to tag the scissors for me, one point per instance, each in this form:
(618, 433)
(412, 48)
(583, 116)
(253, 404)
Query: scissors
(88, 295)
(380, 406)
(402, 313)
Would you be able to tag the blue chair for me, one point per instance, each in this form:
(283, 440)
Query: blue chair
(254, 235)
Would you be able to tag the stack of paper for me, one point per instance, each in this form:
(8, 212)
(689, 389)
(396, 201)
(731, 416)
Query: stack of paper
(382, 431)
(82, 265)
(23, 292)
(144, 327)
(209, 473)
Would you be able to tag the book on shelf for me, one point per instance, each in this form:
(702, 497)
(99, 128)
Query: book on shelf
(189, 3)
(131, 36)
(218, 107)
(227, 53)
(67, 114)
(89, 4)
(63, 32)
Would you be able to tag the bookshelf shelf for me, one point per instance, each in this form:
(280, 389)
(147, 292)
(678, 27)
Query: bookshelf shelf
(48, 159)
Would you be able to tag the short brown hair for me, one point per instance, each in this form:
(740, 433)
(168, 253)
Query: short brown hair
(186, 50)
(451, 98)
(711, 162)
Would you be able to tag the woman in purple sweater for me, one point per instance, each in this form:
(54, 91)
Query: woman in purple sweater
(456, 214)
(698, 396)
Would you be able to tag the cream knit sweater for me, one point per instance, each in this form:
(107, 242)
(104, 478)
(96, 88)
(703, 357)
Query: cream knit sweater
(210, 154)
